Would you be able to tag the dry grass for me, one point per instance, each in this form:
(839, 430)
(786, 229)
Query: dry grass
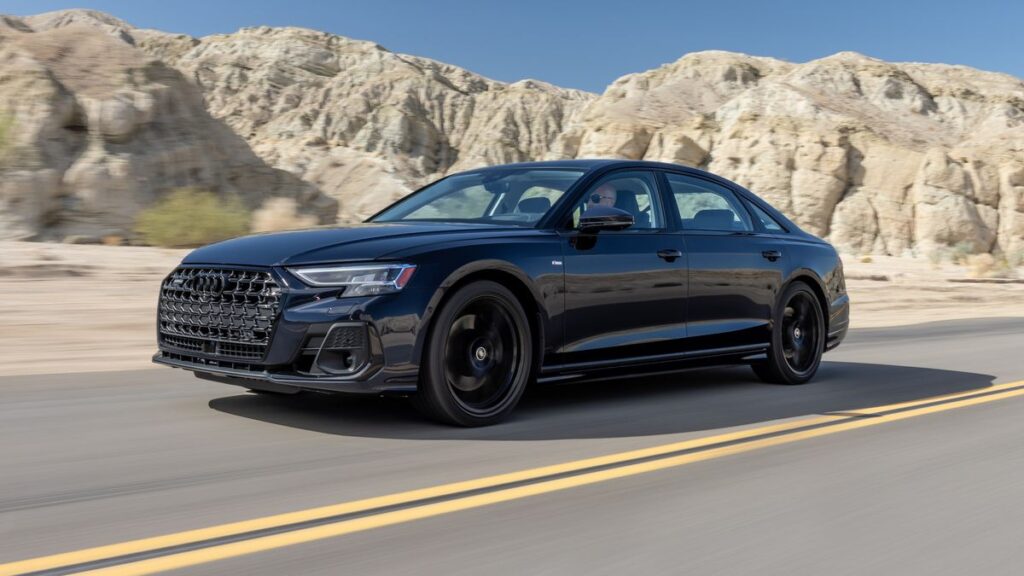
(6, 126)
(280, 214)
(989, 266)
(981, 265)
(190, 217)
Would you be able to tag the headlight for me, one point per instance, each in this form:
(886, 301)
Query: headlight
(359, 280)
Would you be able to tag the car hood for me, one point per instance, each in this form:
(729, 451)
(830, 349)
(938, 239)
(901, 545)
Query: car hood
(360, 242)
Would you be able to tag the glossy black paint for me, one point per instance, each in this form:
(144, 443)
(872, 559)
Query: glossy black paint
(599, 302)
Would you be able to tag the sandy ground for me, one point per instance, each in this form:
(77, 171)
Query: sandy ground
(68, 308)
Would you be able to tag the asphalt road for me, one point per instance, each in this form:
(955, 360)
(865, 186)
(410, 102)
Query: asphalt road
(808, 481)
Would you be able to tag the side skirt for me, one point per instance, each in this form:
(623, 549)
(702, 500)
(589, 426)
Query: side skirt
(649, 365)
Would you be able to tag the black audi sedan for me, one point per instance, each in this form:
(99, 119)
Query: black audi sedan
(466, 291)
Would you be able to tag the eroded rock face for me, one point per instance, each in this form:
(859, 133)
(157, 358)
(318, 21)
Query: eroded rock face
(364, 124)
(97, 130)
(878, 157)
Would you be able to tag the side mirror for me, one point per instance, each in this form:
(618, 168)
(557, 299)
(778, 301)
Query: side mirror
(599, 217)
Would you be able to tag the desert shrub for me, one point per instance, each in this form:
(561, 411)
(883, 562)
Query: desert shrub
(960, 252)
(1015, 258)
(280, 214)
(1004, 267)
(189, 217)
(866, 259)
(981, 265)
(6, 124)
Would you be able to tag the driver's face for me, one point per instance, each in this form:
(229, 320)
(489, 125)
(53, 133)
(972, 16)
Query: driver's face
(604, 195)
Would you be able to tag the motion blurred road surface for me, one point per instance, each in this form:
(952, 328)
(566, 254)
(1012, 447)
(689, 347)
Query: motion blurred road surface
(103, 458)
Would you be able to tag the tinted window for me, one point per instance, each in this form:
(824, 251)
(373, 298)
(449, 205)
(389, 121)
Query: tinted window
(770, 224)
(634, 192)
(468, 202)
(537, 199)
(705, 205)
(507, 195)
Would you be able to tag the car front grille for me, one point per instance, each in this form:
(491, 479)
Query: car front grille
(219, 311)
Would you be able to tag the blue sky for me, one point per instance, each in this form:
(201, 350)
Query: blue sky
(587, 44)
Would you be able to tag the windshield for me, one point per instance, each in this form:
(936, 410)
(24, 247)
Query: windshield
(520, 196)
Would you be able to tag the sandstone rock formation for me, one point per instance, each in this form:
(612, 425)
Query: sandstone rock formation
(96, 130)
(878, 157)
(364, 124)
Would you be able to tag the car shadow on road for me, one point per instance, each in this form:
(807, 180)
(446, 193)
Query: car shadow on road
(683, 402)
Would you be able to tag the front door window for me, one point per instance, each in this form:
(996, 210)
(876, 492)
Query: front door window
(633, 192)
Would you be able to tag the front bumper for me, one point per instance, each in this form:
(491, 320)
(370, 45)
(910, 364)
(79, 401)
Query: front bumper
(379, 383)
(294, 357)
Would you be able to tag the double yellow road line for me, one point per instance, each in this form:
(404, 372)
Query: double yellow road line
(189, 548)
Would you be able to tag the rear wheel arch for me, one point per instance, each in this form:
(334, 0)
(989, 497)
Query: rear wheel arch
(795, 335)
(816, 286)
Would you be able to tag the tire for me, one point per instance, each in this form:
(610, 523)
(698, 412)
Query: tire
(478, 358)
(798, 338)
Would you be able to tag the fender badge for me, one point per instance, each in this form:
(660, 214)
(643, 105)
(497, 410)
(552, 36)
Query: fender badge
(556, 262)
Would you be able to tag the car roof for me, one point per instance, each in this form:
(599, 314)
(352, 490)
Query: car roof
(590, 164)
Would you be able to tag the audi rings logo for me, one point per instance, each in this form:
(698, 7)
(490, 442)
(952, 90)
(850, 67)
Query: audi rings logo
(207, 284)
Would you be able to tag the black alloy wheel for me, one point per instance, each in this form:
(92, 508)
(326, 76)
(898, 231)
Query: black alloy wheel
(798, 338)
(479, 357)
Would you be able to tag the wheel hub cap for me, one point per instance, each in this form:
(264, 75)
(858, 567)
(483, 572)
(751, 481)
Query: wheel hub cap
(482, 355)
(801, 334)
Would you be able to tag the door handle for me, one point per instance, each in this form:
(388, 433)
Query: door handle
(772, 255)
(669, 254)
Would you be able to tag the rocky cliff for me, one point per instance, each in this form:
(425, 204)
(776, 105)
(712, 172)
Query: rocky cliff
(94, 130)
(364, 124)
(879, 157)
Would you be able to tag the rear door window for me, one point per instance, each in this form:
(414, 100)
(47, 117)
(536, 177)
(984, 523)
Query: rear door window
(704, 205)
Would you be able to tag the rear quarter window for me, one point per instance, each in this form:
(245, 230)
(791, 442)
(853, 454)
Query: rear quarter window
(770, 224)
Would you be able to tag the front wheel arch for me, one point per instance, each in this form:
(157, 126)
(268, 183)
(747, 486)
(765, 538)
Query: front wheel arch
(502, 273)
(436, 397)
